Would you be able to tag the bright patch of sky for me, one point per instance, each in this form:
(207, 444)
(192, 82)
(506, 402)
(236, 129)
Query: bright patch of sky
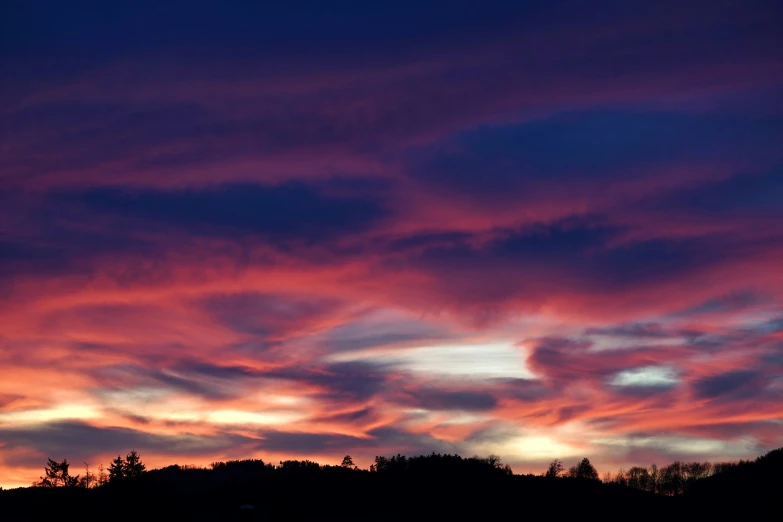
(60, 412)
(646, 376)
(478, 361)
(248, 417)
(516, 445)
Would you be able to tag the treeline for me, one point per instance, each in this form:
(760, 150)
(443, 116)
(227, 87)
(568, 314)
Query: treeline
(676, 479)
(681, 478)
(583, 470)
(434, 486)
(396, 465)
(58, 474)
(436, 463)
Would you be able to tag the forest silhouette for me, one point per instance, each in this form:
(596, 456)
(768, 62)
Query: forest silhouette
(434, 486)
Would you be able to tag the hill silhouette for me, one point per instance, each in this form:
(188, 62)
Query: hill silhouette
(423, 487)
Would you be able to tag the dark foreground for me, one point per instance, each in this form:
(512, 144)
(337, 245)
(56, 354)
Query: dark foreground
(751, 492)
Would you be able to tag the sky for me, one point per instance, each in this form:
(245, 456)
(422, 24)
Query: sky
(543, 229)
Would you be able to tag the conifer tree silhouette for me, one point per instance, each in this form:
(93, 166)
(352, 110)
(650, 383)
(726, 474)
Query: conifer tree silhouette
(116, 470)
(57, 475)
(133, 466)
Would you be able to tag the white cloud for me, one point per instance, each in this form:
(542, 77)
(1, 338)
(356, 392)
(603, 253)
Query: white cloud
(646, 376)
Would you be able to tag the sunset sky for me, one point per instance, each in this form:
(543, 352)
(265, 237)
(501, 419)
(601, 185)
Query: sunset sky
(303, 229)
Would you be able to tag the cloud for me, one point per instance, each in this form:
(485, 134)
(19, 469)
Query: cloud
(643, 449)
(564, 359)
(350, 381)
(349, 417)
(7, 400)
(298, 443)
(77, 440)
(737, 383)
(467, 400)
(734, 302)
(269, 315)
(645, 330)
(766, 432)
(651, 376)
(525, 390)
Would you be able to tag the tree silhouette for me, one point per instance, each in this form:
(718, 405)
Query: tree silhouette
(555, 468)
(57, 475)
(130, 468)
(102, 478)
(347, 462)
(638, 478)
(52, 478)
(133, 466)
(88, 480)
(584, 470)
(655, 479)
(672, 479)
(116, 470)
(493, 460)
